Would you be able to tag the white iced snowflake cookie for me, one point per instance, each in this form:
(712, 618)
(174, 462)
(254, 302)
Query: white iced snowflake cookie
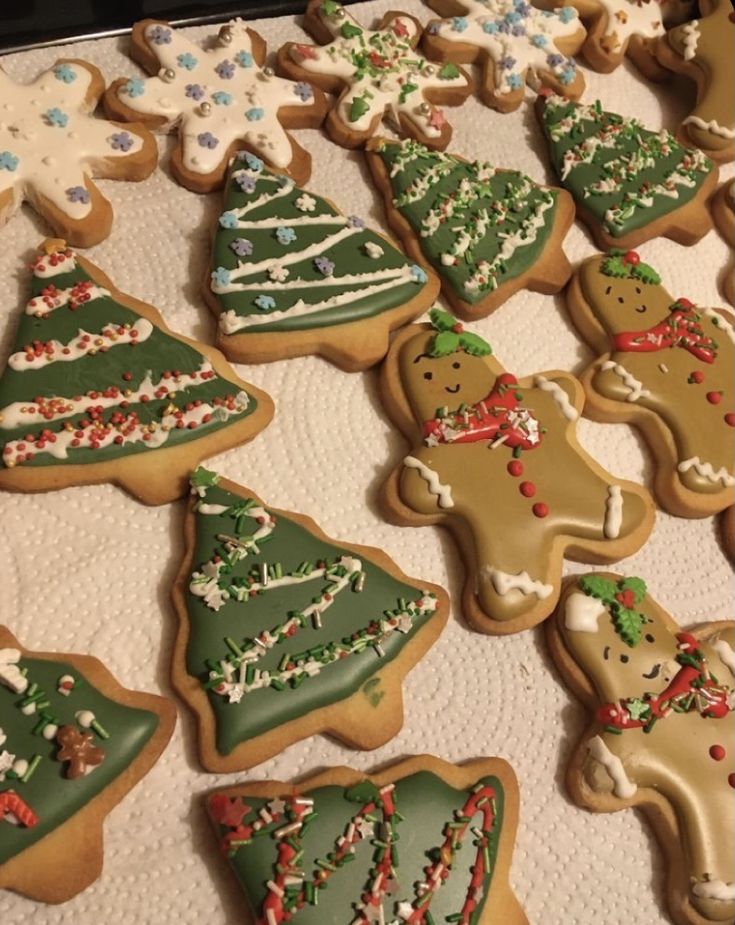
(221, 99)
(376, 73)
(51, 146)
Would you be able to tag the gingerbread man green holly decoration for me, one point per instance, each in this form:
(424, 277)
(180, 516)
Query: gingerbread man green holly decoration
(492, 457)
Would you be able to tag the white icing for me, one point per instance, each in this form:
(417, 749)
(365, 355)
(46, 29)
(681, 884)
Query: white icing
(690, 31)
(85, 718)
(707, 471)
(503, 582)
(712, 126)
(84, 343)
(204, 508)
(628, 379)
(251, 90)
(623, 787)
(726, 654)
(48, 265)
(10, 675)
(559, 395)
(41, 306)
(582, 613)
(714, 889)
(52, 159)
(626, 18)
(443, 492)
(545, 27)
(613, 512)
(382, 90)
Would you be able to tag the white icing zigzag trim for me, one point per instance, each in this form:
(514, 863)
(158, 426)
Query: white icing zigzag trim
(714, 889)
(582, 613)
(83, 344)
(613, 512)
(706, 471)
(726, 653)
(635, 385)
(503, 582)
(443, 492)
(712, 126)
(559, 396)
(691, 39)
(623, 787)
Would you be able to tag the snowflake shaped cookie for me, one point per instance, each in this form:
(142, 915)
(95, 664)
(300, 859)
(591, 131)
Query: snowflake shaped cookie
(515, 43)
(376, 72)
(221, 99)
(51, 146)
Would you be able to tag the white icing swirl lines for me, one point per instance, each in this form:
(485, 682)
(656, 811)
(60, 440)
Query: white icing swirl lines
(714, 889)
(691, 39)
(628, 379)
(712, 126)
(41, 306)
(84, 344)
(707, 471)
(613, 512)
(504, 583)
(442, 492)
(559, 395)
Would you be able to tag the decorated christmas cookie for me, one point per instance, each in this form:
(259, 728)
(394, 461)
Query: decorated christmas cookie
(221, 99)
(291, 275)
(51, 147)
(375, 73)
(98, 389)
(630, 184)
(665, 365)
(723, 211)
(287, 845)
(73, 742)
(703, 50)
(514, 42)
(485, 230)
(496, 459)
(285, 632)
(662, 737)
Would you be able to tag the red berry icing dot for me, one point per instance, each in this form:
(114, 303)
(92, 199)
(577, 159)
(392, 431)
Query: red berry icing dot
(730, 418)
(717, 752)
(515, 467)
(697, 376)
(731, 780)
(714, 398)
(633, 258)
(540, 509)
(527, 489)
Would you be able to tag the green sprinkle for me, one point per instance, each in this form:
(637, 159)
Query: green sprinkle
(35, 761)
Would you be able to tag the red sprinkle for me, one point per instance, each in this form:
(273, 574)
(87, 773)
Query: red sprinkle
(540, 509)
(730, 418)
(633, 258)
(717, 752)
(714, 398)
(697, 376)
(527, 489)
(731, 780)
(515, 467)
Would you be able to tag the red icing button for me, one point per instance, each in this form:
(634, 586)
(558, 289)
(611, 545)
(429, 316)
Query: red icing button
(527, 489)
(697, 376)
(633, 258)
(731, 780)
(540, 509)
(730, 418)
(714, 398)
(717, 752)
(515, 467)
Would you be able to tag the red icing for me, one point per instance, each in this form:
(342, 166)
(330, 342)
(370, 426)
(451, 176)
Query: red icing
(399, 28)
(488, 419)
(697, 376)
(730, 418)
(515, 467)
(714, 398)
(626, 598)
(717, 752)
(681, 329)
(540, 509)
(527, 489)
(731, 780)
(11, 803)
(633, 258)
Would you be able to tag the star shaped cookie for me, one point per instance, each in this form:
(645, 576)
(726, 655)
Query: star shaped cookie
(376, 73)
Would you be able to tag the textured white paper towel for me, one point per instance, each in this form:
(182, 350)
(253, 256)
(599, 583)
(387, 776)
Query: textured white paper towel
(89, 569)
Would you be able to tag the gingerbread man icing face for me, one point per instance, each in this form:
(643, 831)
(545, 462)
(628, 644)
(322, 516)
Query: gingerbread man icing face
(487, 450)
(666, 365)
(663, 729)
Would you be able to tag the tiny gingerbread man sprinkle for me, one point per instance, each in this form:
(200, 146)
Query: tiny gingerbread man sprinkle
(376, 73)
(78, 749)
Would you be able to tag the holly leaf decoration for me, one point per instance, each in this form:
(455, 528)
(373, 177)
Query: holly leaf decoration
(203, 478)
(636, 585)
(646, 274)
(638, 708)
(628, 624)
(474, 345)
(448, 71)
(441, 320)
(358, 108)
(350, 31)
(364, 792)
(406, 90)
(330, 7)
(614, 266)
(444, 343)
(598, 587)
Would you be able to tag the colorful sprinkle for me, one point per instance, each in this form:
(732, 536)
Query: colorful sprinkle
(244, 59)
(253, 162)
(246, 183)
(221, 276)
(354, 221)
(121, 141)
(418, 275)
(134, 87)
(194, 91)
(717, 753)
(303, 90)
(77, 194)
(8, 161)
(159, 36)
(222, 98)
(285, 235)
(207, 140)
(56, 117)
(540, 509)
(459, 23)
(255, 114)
(305, 203)
(225, 70)
(228, 220)
(324, 265)
(242, 247)
(265, 302)
(65, 73)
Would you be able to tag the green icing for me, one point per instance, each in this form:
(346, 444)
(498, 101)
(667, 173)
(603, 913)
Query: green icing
(623, 174)
(262, 202)
(477, 226)
(123, 366)
(51, 795)
(425, 803)
(285, 548)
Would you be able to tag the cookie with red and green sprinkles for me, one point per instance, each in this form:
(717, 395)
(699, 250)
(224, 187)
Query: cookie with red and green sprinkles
(73, 742)
(98, 389)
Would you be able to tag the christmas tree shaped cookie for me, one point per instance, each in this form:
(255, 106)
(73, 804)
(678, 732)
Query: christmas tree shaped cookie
(662, 736)
(666, 366)
(723, 212)
(514, 42)
(630, 184)
(220, 98)
(73, 742)
(496, 459)
(375, 73)
(291, 275)
(51, 146)
(288, 844)
(98, 389)
(285, 632)
(486, 231)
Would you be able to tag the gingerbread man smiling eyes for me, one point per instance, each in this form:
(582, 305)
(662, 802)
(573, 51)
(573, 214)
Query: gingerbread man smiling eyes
(666, 365)
(663, 734)
(493, 457)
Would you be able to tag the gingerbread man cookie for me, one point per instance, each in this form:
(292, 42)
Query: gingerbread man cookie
(51, 146)
(221, 100)
(703, 50)
(514, 42)
(666, 366)
(723, 212)
(663, 733)
(375, 73)
(494, 458)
